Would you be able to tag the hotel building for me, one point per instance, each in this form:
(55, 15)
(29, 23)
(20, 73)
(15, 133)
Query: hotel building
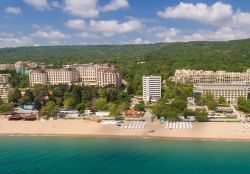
(231, 91)
(108, 76)
(6, 67)
(82, 74)
(199, 76)
(38, 77)
(67, 76)
(151, 88)
(4, 87)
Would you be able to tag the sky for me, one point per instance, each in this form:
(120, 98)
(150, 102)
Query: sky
(94, 22)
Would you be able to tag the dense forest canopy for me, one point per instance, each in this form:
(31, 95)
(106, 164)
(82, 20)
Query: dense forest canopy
(230, 55)
(134, 61)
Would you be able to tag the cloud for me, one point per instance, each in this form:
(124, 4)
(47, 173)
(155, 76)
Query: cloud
(140, 41)
(111, 27)
(115, 5)
(50, 35)
(87, 35)
(38, 4)
(12, 40)
(56, 4)
(13, 10)
(77, 24)
(200, 12)
(82, 8)
(240, 20)
(177, 35)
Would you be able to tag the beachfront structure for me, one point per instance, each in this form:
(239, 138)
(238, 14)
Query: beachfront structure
(4, 92)
(231, 91)
(67, 76)
(200, 76)
(4, 78)
(151, 88)
(38, 77)
(5, 87)
(83, 74)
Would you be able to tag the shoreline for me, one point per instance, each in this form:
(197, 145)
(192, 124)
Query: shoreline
(123, 137)
(81, 128)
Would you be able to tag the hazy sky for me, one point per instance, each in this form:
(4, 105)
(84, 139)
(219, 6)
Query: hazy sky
(73, 22)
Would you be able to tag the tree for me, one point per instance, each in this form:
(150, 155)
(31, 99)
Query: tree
(222, 100)
(179, 104)
(81, 107)
(69, 102)
(139, 107)
(125, 105)
(114, 109)
(15, 96)
(5, 107)
(101, 104)
(201, 115)
(243, 104)
(27, 97)
(188, 112)
(50, 109)
(208, 100)
(163, 110)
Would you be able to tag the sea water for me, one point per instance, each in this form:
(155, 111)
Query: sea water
(64, 155)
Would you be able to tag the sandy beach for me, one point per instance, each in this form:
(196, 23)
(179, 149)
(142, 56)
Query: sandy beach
(210, 130)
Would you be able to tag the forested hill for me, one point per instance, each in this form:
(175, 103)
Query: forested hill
(231, 55)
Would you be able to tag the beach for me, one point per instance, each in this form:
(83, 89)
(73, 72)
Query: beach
(208, 130)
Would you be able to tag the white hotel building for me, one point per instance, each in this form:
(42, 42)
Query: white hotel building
(231, 91)
(151, 88)
(5, 87)
(231, 85)
(200, 76)
(82, 74)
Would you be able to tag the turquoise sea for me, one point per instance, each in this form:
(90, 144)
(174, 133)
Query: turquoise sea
(63, 155)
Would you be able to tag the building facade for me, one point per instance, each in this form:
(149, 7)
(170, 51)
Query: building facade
(6, 67)
(231, 91)
(82, 74)
(108, 76)
(199, 76)
(67, 76)
(38, 77)
(87, 74)
(5, 87)
(151, 88)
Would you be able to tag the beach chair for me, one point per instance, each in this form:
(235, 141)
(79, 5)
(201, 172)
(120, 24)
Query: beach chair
(177, 125)
(166, 125)
(173, 126)
(170, 125)
(190, 125)
(183, 125)
(180, 126)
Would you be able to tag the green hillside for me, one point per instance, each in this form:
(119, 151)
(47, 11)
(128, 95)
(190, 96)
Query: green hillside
(161, 59)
